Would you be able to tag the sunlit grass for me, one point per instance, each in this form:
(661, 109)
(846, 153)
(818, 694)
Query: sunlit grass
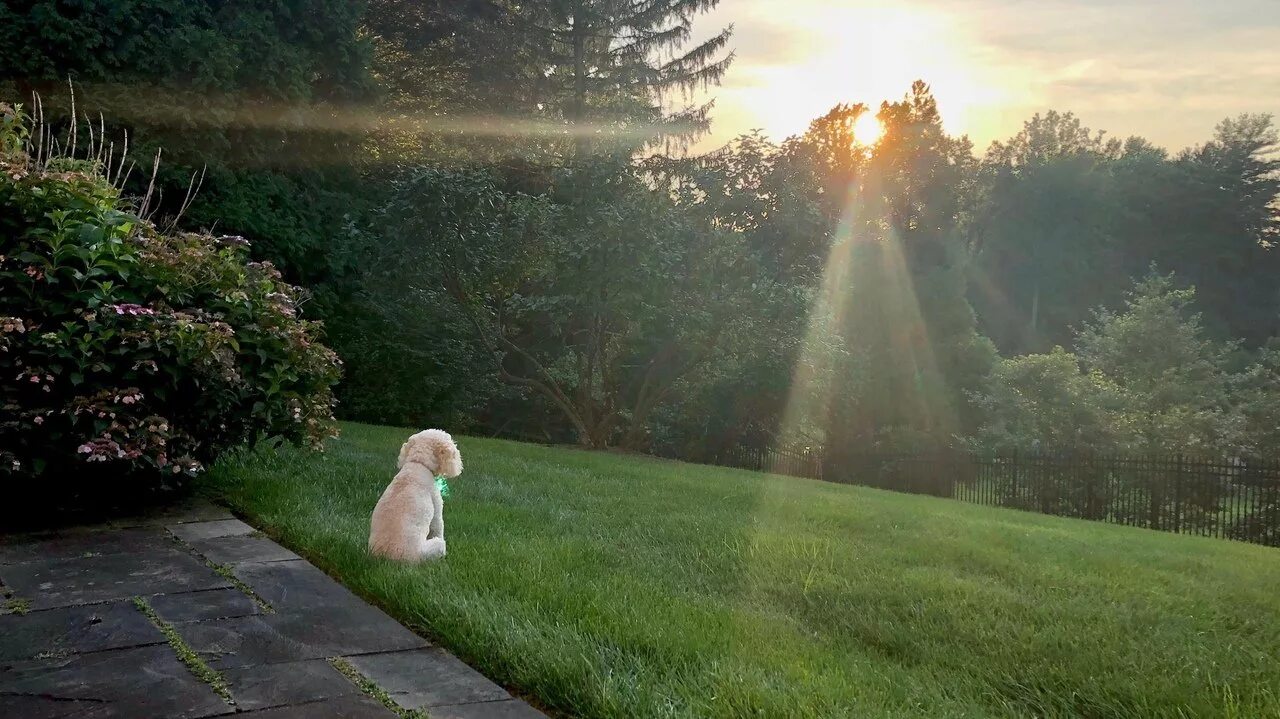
(604, 585)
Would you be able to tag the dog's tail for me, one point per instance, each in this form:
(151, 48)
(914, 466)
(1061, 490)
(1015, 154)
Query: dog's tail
(432, 548)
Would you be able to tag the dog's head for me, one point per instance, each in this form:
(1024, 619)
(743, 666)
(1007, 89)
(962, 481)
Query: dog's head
(433, 449)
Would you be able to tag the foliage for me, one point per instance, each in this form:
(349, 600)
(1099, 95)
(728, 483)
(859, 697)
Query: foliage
(772, 378)
(146, 350)
(1045, 238)
(1067, 216)
(876, 270)
(259, 94)
(598, 294)
(1146, 379)
(450, 56)
(1172, 382)
(913, 344)
(605, 585)
(1043, 400)
(1223, 234)
(1260, 390)
(271, 50)
(415, 357)
(610, 65)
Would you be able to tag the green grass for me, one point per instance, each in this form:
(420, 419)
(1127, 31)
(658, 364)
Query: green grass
(606, 586)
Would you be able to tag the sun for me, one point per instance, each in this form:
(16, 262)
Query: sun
(867, 129)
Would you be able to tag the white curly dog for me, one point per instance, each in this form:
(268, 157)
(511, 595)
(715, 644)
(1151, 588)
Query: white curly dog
(408, 523)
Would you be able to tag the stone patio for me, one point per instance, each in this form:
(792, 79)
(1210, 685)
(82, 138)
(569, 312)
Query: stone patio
(253, 630)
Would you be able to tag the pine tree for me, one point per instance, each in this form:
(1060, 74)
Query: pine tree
(616, 64)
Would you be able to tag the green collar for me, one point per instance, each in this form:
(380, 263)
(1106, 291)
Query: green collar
(443, 485)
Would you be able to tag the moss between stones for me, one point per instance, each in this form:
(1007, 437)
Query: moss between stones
(371, 689)
(185, 653)
(225, 572)
(14, 605)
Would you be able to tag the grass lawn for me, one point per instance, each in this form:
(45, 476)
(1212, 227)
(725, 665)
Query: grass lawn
(608, 586)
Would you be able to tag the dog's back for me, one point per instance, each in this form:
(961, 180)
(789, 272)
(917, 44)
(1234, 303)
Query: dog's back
(402, 520)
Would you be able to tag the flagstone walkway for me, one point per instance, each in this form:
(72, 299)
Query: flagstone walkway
(192, 613)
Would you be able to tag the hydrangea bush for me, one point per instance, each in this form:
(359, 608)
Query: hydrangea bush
(128, 351)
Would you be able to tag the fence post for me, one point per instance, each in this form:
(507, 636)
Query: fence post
(1157, 496)
(1087, 469)
(1013, 471)
(1177, 496)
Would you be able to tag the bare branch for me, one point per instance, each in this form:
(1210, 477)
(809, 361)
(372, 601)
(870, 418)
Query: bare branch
(151, 186)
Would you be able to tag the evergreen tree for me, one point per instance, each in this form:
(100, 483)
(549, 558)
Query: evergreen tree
(616, 63)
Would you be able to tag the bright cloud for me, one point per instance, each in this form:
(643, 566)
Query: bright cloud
(1165, 69)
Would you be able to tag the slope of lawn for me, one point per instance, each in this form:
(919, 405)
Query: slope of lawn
(608, 586)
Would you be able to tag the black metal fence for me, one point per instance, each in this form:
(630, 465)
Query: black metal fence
(1231, 498)
(777, 460)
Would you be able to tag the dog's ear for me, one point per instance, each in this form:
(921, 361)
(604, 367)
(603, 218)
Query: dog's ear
(448, 459)
(404, 455)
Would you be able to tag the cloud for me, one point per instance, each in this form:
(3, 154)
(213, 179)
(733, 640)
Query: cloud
(1165, 69)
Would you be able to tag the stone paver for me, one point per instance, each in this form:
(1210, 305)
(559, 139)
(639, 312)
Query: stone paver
(342, 708)
(196, 531)
(452, 682)
(509, 709)
(243, 642)
(340, 630)
(83, 649)
(158, 569)
(234, 550)
(198, 606)
(139, 682)
(274, 685)
(73, 544)
(69, 630)
(295, 584)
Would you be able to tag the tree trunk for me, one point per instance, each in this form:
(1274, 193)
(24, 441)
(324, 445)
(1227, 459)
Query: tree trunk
(579, 108)
(1035, 318)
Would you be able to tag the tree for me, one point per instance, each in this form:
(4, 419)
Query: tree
(1147, 378)
(265, 51)
(913, 349)
(1173, 383)
(1260, 402)
(1043, 233)
(1225, 227)
(447, 56)
(1043, 401)
(766, 382)
(611, 65)
(598, 295)
(1067, 216)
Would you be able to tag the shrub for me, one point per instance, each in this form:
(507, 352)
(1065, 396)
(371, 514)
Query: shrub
(127, 351)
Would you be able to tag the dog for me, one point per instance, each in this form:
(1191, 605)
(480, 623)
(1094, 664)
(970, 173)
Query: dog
(408, 523)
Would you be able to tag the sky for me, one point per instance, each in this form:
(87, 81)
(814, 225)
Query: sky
(1168, 70)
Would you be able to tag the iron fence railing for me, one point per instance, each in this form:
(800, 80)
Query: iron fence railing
(1232, 498)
